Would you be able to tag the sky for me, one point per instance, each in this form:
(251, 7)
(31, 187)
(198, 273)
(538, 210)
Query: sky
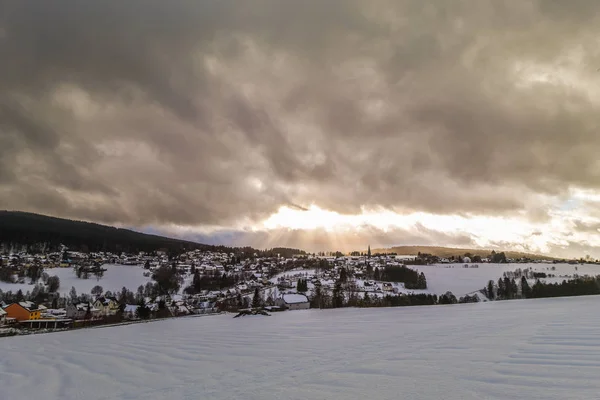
(324, 125)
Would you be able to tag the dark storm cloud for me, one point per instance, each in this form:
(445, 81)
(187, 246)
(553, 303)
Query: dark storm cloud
(587, 227)
(184, 112)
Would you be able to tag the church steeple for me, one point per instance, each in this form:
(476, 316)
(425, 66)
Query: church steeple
(369, 252)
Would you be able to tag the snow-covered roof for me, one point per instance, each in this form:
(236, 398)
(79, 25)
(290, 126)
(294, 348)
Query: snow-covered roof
(84, 307)
(30, 306)
(131, 308)
(294, 298)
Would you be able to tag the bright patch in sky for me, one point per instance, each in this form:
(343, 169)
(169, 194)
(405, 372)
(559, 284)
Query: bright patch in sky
(516, 232)
(491, 228)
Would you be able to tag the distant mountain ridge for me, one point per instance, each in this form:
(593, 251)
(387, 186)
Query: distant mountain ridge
(447, 252)
(23, 228)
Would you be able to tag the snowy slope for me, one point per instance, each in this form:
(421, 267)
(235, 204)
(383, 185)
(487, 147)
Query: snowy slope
(535, 349)
(115, 277)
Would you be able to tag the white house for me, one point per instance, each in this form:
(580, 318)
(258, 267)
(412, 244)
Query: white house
(106, 305)
(2, 316)
(294, 301)
(79, 311)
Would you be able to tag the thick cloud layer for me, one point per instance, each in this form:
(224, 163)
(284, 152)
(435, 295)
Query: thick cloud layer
(216, 112)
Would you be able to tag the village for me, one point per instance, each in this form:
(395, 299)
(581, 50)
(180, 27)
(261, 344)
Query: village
(198, 283)
(192, 283)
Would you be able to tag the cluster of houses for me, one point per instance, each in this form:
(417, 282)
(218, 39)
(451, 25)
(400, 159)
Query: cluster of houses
(27, 314)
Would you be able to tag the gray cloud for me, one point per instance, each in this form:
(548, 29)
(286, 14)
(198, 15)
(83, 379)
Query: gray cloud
(152, 112)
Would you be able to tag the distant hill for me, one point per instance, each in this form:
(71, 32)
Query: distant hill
(447, 252)
(22, 228)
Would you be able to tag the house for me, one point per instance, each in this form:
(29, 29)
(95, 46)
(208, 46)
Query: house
(23, 311)
(294, 301)
(80, 311)
(2, 316)
(130, 311)
(107, 305)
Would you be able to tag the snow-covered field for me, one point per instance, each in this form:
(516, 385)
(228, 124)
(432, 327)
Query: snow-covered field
(115, 277)
(527, 349)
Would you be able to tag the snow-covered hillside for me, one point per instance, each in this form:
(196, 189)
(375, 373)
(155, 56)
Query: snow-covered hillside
(115, 277)
(534, 349)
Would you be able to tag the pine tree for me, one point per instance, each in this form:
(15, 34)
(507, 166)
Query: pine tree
(367, 299)
(73, 294)
(514, 288)
(369, 252)
(525, 289)
(490, 290)
(142, 311)
(507, 288)
(197, 282)
(421, 281)
(338, 295)
(315, 301)
(376, 274)
(301, 286)
(256, 299)
(369, 271)
(500, 293)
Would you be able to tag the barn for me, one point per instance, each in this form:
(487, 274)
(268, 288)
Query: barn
(294, 301)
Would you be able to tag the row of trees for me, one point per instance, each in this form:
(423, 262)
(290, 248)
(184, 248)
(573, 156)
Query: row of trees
(209, 282)
(302, 286)
(322, 299)
(33, 272)
(84, 272)
(507, 289)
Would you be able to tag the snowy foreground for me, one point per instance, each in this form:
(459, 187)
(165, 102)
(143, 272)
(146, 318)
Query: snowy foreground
(534, 349)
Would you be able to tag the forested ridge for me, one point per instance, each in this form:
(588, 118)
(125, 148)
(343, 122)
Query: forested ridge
(35, 230)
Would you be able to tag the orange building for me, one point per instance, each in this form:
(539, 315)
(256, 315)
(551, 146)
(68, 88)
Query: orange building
(23, 311)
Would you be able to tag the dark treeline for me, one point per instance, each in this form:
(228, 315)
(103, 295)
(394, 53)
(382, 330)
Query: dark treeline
(507, 289)
(216, 281)
(281, 252)
(398, 273)
(322, 299)
(577, 287)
